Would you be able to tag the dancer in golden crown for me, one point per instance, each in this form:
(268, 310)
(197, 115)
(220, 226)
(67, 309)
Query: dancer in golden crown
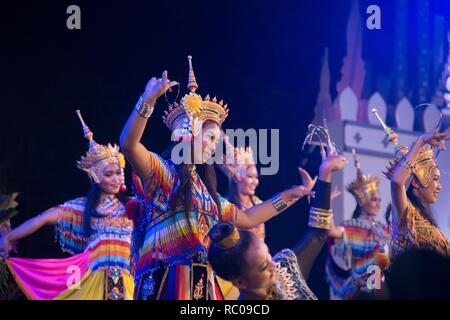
(94, 229)
(241, 258)
(358, 243)
(179, 199)
(243, 180)
(415, 185)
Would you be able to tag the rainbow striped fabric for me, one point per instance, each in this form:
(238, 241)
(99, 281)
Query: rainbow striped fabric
(110, 243)
(169, 236)
(350, 256)
(108, 248)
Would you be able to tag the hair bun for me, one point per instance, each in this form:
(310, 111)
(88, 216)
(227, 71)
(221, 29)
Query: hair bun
(225, 235)
(220, 231)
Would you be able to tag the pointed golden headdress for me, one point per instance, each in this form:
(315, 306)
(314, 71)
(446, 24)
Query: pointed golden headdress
(185, 118)
(425, 161)
(237, 165)
(99, 156)
(364, 185)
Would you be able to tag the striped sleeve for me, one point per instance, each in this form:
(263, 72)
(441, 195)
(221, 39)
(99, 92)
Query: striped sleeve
(69, 228)
(159, 175)
(228, 210)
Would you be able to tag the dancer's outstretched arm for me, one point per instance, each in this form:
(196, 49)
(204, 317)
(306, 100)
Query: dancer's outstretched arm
(335, 231)
(266, 210)
(311, 243)
(403, 169)
(49, 217)
(130, 139)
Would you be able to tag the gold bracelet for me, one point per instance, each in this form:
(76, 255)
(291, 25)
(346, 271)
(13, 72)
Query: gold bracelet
(278, 203)
(143, 109)
(320, 218)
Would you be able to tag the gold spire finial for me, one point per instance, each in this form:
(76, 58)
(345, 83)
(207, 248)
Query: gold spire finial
(192, 83)
(87, 133)
(425, 160)
(185, 118)
(99, 156)
(356, 162)
(364, 185)
(359, 173)
(400, 149)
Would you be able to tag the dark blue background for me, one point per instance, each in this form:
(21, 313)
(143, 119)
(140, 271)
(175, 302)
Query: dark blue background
(262, 58)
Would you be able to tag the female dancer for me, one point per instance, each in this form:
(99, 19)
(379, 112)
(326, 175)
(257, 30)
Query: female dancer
(94, 229)
(415, 185)
(238, 256)
(180, 202)
(243, 181)
(356, 244)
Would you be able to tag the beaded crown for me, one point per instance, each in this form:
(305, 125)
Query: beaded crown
(241, 160)
(185, 118)
(425, 161)
(98, 156)
(364, 185)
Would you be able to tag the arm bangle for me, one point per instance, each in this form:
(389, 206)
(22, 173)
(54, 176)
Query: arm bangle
(320, 218)
(278, 203)
(143, 109)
